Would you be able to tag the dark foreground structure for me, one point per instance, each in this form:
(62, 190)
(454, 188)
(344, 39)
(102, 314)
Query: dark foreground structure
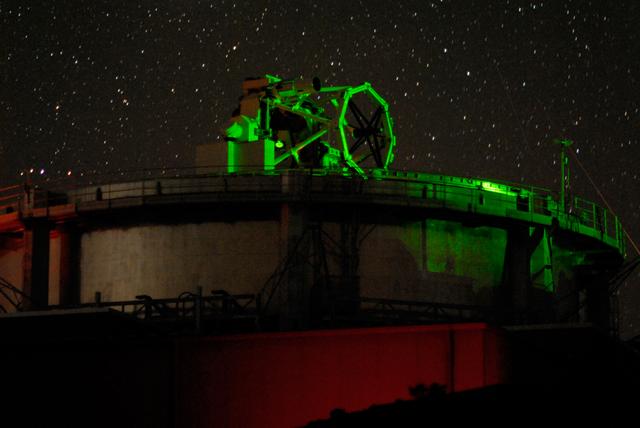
(319, 279)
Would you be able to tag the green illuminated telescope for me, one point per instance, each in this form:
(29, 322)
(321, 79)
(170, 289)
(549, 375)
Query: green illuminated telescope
(299, 123)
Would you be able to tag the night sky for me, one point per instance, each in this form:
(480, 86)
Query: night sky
(477, 88)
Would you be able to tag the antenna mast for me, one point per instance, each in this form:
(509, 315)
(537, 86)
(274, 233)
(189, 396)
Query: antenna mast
(565, 173)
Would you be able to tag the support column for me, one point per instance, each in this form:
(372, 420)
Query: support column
(35, 263)
(69, 291)
(347, 290)
(298, 275)
(598, 303)
(516, 288)
(594, 280)
(516, 276)
(307, 290)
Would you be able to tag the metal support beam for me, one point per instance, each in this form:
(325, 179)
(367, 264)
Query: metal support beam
(516, 296)
(35, 263)
(298, 276)
(69, 265)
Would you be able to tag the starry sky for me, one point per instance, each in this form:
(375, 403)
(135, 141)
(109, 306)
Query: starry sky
(476, 88)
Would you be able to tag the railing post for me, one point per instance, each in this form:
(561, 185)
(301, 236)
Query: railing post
(258, 300)
(532, 207)
(198, 309)
(148, 310)
(619, 236)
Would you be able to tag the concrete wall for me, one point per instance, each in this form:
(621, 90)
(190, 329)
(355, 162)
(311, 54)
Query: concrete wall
(165, 260)
(11, 254)
(433, 260)
(430, 260)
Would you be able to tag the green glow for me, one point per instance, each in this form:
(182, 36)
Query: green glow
(272, 79)
(323, 127)
(295, 151)
(234, 131)
(232, 156)
(496, 188)
(329, 112)
(368, 90)
(471, 252)
(269, 152)
(514, 201)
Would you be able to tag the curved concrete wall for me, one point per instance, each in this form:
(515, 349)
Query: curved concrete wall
(413, 261)
(12, 253)
(165, 260)
(419, 238)
(433, 260)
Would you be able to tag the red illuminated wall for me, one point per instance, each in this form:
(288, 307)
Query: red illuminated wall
(289, 379)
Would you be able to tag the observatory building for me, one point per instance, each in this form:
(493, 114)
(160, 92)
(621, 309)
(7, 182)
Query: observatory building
(294, 255)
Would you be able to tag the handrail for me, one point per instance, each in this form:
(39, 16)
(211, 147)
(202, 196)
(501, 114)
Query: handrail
(148, 308)
(390, 183)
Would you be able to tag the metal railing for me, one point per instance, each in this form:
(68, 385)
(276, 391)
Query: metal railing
(192, 309)
(490, 197)
(216, 312)
(394, 310)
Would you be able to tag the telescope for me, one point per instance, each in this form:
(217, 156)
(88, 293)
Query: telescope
(299, 123)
